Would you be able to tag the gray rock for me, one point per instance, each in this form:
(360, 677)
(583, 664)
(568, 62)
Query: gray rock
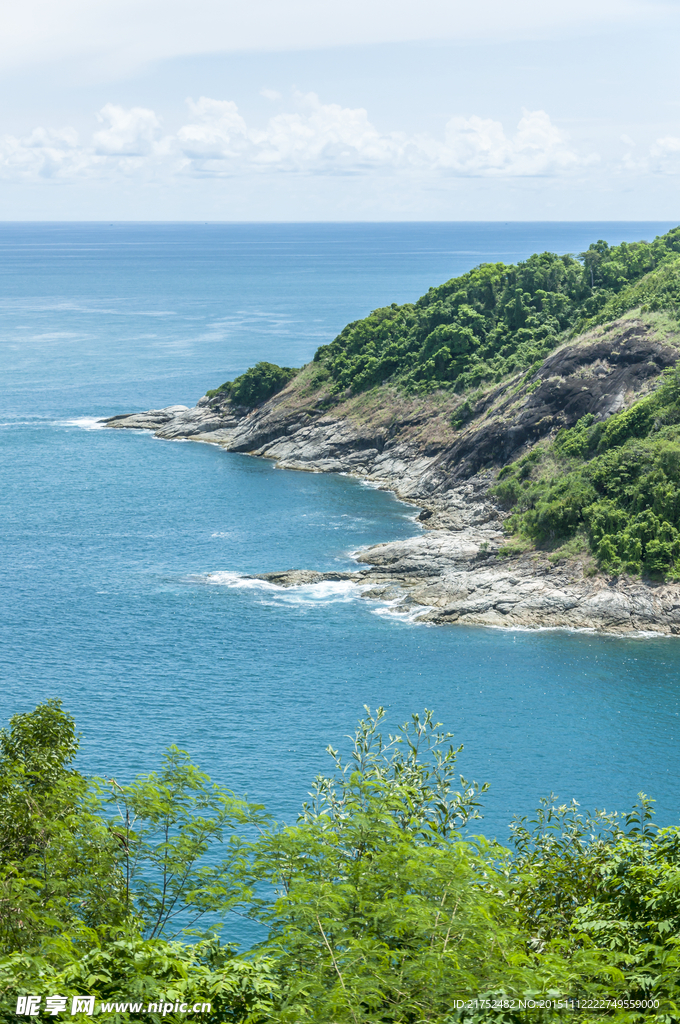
(452, 571)
(302, 577)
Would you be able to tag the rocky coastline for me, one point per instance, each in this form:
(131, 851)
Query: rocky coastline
(455, 570)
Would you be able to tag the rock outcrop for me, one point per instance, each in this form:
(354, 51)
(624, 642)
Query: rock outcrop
(455, 571)
(455, 574)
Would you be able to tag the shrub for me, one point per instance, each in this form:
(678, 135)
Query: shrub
(379, 906)
(256, 385)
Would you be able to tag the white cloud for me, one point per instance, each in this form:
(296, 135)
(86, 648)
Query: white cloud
(325, 137)
(127, 144)
(317, 138)
(662, 158)
(127, 133)
(665, 155)
(218, 133)
(478, 146)
(41, 154)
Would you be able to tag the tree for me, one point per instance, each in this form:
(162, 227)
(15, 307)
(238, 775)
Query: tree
(593, 256)
(58, 863)
(165, 824)
(382, 911)
(256, 385)
(88, 867)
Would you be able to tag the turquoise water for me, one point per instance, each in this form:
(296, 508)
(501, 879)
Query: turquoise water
(109, 537)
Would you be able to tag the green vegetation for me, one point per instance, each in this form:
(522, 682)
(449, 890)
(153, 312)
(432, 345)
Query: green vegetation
(494, 321)
(499, 319)
(380, 906)
(256, 385)
(616, 482)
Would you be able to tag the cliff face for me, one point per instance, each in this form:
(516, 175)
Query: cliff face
(442, 452)
(601, 374)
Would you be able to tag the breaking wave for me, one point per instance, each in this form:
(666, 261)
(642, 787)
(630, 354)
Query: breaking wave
(306, 594)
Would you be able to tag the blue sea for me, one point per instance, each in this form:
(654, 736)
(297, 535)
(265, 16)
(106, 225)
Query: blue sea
(110, 537)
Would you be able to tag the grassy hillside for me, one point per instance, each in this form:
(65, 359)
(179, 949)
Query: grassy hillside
(611, 487)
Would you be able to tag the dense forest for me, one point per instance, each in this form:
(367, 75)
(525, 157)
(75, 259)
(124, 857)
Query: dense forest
(498, 319)
(380, 904)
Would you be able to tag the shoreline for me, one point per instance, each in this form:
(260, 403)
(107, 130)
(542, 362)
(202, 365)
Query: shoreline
(273, 579)
(452, 569)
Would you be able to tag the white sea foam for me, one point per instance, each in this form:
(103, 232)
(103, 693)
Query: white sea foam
(84, 422)
(396, 610)
(36, 422)
(329, 592)
(320, 594)
(323, 593)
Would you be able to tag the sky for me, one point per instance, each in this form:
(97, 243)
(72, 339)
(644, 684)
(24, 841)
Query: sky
(312, 110)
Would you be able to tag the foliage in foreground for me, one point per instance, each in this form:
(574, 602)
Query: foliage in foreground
(379, 906)
(616, 482)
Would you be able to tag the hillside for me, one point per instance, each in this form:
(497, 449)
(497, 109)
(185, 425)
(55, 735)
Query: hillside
(545, 444)
(487, 324)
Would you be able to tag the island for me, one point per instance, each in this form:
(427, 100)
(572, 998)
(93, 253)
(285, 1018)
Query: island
(531, 412)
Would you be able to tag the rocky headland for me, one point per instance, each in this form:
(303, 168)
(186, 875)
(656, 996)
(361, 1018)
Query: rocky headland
(442, 455)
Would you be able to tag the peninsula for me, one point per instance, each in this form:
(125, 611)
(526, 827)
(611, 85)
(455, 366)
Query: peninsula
(531, 412)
